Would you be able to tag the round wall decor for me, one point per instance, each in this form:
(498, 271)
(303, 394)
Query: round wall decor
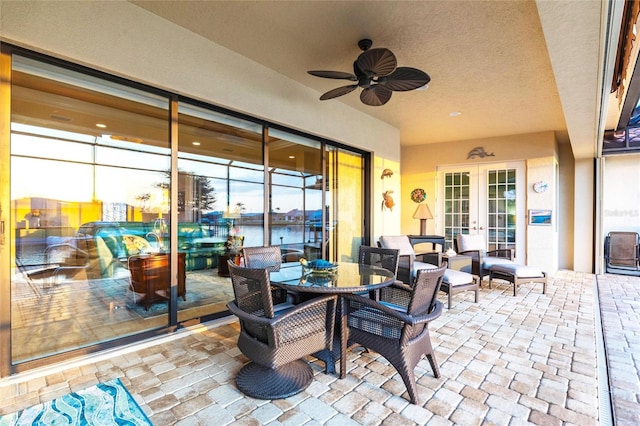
(418, 195)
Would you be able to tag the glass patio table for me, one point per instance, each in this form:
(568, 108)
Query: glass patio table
(345, 278)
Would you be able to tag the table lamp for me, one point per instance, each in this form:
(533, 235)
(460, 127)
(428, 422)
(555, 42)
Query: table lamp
(423, 213)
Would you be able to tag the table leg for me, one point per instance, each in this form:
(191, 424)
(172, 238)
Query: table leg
(343, 338)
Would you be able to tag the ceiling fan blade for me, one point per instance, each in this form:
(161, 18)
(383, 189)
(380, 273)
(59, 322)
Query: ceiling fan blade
(375, 95)
(338, 92)
(405, 78)
(380, 62)
(339, 75)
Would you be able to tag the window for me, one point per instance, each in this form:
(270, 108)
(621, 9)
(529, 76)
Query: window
(90, 190)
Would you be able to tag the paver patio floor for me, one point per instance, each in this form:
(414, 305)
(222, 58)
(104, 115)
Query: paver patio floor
(506, 360)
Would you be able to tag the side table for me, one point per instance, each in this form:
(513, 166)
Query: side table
(223, 267)
(459, 262)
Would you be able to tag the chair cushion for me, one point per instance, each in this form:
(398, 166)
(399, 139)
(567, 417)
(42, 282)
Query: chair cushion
(398, 242)
(518, 271)
(417, 265)
(471, 242)
(454, 278)
(489, 261)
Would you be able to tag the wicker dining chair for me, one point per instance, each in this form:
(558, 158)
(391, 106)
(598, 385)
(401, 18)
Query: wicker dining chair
(482, 260)
(398, 327)
(381, 257)
(269, 258)
(263, 257)
(376, 256)
(275, 341)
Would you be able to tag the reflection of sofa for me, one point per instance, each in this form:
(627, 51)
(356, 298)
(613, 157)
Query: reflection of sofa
(150, 279)
(123, 240)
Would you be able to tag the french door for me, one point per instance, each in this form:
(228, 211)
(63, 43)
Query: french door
(488, 199)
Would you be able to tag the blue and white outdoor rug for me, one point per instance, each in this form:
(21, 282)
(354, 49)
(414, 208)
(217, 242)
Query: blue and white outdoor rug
(107, 403)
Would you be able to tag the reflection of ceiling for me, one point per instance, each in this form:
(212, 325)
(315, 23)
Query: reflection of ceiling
(42, 102)
(509, 67)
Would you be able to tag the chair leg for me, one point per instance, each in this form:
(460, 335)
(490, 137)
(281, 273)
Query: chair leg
(408, 377)
(449, 298)
(431, 357)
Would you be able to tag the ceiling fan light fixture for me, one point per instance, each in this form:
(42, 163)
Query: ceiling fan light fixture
(377, 73)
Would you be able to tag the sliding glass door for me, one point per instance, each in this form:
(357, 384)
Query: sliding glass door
(89, 162)
(220, 209)
(121, 206)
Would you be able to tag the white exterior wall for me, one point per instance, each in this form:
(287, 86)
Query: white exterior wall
(542, 240)
(583, 216)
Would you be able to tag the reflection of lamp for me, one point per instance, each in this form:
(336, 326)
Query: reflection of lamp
(423, 213)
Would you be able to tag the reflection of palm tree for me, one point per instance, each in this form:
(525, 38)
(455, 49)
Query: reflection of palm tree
(144, 199)
(203, 196)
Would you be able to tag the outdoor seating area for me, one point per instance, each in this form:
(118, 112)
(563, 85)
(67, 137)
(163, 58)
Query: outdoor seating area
(497, 365)
(375, 310)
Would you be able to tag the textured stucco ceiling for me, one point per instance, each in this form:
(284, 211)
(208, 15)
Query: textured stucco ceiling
(509, 67)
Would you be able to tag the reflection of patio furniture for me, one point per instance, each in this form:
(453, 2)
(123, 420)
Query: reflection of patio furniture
(123, 240)
(232, 251)
(397, 327)
(622, 253)
(150, 278)
(276, 340)
(474, 245)
(96, 260)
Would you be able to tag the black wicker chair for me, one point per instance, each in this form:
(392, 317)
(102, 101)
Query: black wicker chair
(397, 326)
(263, 257)
(381, 257)
(276, 340)
(482, 260)
(453, 281)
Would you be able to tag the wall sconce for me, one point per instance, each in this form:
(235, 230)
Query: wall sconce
(423, 213)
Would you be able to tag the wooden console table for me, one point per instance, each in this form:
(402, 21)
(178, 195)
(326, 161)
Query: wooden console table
(150, 278)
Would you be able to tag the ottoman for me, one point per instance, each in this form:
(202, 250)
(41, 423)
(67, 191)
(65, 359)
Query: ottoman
(518, 274)
(454, 282)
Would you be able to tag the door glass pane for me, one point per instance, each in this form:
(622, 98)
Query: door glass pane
(296, 213)
(89, 162)
(456, 214)
(220, 193)
(345, 203)
(501, 208)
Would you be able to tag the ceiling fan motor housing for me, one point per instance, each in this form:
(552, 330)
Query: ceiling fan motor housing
(365, 44)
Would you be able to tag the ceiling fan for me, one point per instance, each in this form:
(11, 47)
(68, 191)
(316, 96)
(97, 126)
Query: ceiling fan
(376, 71)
